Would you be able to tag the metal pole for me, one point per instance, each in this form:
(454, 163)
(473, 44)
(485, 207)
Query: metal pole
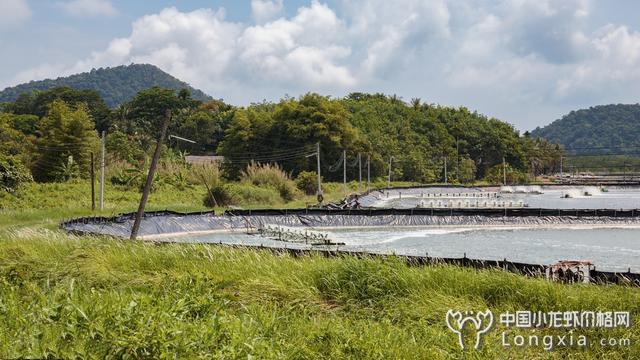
(445, 169)
(359, 172)
(533, 170)
(368, 171)
(93, 184)
(504, 171)
(457, 160)
(102, 152)
(152, 170)
(561, 177)
(389, 178)
(344, 171)
(319, 177)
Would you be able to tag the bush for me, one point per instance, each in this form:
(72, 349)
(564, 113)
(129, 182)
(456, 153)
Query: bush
(12, 173)
(220, 195)
(270, 175)
(251, 194)
(206, 174)
(467, 171)
(307, 181)
(495, 175)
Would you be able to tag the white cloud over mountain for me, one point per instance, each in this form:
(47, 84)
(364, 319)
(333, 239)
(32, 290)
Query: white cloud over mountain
(505, 58)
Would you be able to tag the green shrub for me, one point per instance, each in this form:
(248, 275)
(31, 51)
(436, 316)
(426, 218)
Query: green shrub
(251, 194)
(467, 171)
(208, 174)
(12, 173)
(220, 195)
(307, 182)
(270, 175)
(495, 175)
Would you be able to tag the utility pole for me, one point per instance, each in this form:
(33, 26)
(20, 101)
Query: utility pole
(152, 170)
(344, 171)
(102, 152)
(533, 170)
(319, 195)
(389, 178)
(359, 172)
(561, 177)
(368, 171)
(457, 160)
(504, 171)
(93, 184)
(445, 169)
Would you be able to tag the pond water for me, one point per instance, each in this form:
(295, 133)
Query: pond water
(551, 198)
(613, 249)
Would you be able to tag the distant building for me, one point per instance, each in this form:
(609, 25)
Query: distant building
(195, 159)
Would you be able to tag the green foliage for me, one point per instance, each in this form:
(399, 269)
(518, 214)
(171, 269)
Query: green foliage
(205, 125)
(307, 181)
(13, 142)
(495, 175)
(148, 108)
(418, 137)
(270, 175)
(65, 132)
(12, 173)
(289, 127)
(121, 146)
(467, 170)
(597, 130)
(220, 194)
(115, 85)
(38, 104)
(417, 142)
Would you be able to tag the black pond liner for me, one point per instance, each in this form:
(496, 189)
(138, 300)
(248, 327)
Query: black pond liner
(165, 223)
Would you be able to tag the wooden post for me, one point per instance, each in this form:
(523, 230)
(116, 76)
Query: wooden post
(152, 170)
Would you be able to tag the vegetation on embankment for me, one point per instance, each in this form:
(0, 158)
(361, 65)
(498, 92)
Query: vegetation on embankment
(67, 297)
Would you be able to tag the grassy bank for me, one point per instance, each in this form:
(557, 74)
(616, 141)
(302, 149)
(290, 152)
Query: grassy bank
(63, 297)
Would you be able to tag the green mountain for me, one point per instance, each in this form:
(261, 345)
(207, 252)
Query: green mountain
(604, 129)
(116, 85)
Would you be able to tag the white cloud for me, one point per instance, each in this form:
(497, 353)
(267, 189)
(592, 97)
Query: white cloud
(82, 8)
(13, 12)
(521, 60)
(265, 10)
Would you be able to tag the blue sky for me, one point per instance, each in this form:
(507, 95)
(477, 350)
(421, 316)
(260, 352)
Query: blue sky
(527, 62)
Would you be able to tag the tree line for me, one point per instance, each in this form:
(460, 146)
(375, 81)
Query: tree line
(52, 133)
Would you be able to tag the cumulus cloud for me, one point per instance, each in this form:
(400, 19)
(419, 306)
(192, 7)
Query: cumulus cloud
(265, 10)
(522, 60)
(83, 8)
(13, 12)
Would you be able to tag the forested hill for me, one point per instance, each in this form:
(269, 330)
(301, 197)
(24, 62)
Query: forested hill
(116, 85)
(597, 130)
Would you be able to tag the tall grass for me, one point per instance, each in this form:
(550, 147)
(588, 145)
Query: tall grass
(65, 297)
(271, 175)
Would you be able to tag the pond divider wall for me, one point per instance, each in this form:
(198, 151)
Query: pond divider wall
(443, 212)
